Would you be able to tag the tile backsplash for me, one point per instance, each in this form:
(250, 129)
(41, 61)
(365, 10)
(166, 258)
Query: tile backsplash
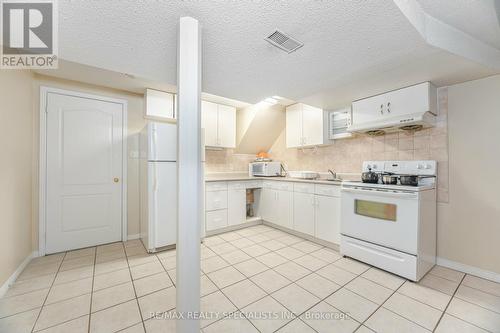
(226, 160)
(347, 155)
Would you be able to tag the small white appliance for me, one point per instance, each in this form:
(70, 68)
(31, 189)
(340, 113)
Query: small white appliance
(158, 185)
(392, 227)
(264, 169)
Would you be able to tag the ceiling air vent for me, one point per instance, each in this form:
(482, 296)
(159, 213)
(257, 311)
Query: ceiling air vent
(284, 42)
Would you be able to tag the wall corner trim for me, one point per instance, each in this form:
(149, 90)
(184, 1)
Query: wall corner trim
(132, 237)
(482, 273)
(17, 272)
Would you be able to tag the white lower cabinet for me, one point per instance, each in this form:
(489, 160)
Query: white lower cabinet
(236, 206)
(277, 207)
(216, 219)
(303, 212)
(284, 209)
(215, 205)
(216, 200)
(267, 201)
(312, 209)
(327, 218)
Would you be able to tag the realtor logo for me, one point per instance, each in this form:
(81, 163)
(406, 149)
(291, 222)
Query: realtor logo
(29, 34)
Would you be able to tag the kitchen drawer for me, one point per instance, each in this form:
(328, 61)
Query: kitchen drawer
(216, 186)
(253, 184)
(236, 185)
(216, 219)
(303, 188)
(328, 190)
(283, 186)
(215, 200)
(396, 262)
(268, 184)
(278, 185)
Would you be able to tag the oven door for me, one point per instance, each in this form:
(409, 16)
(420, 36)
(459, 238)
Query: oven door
(386, 218)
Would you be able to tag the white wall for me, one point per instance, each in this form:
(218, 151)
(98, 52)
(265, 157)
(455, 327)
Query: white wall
(16, 122)
(469, 225)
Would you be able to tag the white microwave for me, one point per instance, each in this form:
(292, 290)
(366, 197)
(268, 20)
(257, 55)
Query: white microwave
(264, 169)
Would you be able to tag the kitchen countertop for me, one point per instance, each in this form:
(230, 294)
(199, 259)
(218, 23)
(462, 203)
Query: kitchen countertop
(224, 177)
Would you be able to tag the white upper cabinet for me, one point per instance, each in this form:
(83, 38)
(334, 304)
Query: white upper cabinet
(209, 122)
(219, 122)
(312, 125)
(159, 104)
(294, 126)
(227, 126)
(405, 101)
(305, 126)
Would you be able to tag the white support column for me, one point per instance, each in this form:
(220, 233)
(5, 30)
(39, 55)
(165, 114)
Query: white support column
(190, 173)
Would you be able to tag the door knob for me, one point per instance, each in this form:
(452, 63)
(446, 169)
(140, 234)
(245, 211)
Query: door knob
(116, 179)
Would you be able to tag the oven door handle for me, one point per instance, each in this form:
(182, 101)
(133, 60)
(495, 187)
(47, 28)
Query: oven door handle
(405, 195)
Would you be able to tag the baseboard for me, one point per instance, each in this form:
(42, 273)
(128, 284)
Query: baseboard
(16, 273)
(131, 237)
(233, 227)
(488, 275)
(313, 239)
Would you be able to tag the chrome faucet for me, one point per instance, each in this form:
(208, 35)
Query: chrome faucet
(334, 174)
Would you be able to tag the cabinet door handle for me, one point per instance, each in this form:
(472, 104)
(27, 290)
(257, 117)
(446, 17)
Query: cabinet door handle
(389, 107)
(381, 108)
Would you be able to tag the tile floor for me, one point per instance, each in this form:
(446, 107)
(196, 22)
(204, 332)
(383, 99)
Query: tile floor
(262, 279)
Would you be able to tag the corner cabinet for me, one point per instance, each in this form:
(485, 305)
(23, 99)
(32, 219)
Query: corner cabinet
(306, 126)
(277, 203)
(219, 123)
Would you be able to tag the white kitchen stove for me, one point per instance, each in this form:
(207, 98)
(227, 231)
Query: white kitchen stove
(392, 227)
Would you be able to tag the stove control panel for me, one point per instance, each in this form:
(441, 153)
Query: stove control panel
(427, 168)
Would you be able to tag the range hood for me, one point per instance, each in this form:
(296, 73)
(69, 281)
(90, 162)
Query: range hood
(405, 109)
(406, 122)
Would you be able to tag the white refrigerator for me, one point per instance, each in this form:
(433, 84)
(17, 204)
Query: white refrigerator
(158, 183)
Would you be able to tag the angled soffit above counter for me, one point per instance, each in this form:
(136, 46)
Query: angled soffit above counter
(449, 38)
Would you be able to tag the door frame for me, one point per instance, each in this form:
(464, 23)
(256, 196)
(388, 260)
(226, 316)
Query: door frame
(42, 166)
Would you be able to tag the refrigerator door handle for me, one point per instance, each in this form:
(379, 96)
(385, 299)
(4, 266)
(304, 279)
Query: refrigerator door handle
(155, 178)
(154, 139)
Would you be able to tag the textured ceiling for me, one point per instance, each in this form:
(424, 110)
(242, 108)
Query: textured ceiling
(347, 43)
(478, 18)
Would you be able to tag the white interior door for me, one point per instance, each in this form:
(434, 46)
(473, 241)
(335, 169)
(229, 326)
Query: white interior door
(84, 172)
